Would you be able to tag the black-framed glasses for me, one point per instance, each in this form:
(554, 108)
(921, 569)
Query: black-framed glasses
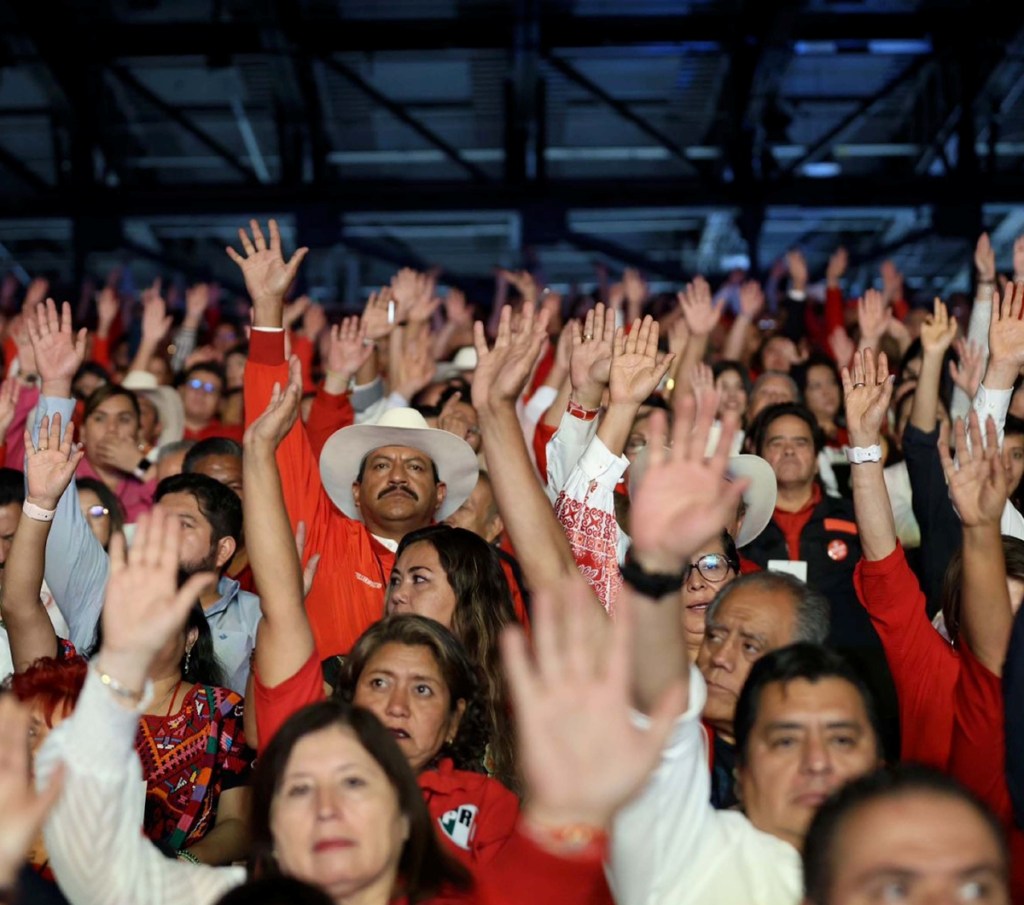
(97, 511)
(196, 384)
(713, 567)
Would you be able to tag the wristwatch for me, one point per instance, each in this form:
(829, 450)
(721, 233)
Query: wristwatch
(858, 455)
(651, 584)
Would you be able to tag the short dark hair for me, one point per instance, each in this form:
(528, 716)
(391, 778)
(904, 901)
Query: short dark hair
(91, 367)
(1014, 426)
(802, 660)
(12, 486)
(812, 607)
(275, 891)
(824, 838)
(721, 367)
(110, 391)
(218, 505)
(468, 748)
(950, 603)
(424, 866)
(210, 367)
(211, 446)
(781, 410)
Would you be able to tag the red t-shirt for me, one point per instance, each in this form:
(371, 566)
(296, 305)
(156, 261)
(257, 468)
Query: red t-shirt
(923, 664)
(792, 524)
(216, 429)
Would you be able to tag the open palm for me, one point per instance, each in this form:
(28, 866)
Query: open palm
(58, 349)
(50, 465)
(977, 481)
(268, 276)
(503, 371)
(637, 367)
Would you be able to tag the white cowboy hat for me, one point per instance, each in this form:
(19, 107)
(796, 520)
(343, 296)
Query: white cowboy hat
(345, 450)
(759, 497)
(464, 360)
(166, 401)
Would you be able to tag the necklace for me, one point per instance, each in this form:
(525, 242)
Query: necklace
(174, 694)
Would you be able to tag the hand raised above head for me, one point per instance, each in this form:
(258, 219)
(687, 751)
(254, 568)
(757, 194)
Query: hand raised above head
(59, 351)
(268, 276)
(867, 390)
(503, 370)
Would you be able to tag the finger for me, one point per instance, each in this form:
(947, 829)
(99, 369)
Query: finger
(295, 262)
(520, 672)
(685, 411)
(309, 573)
(991, 437)
(257, 235)
(609, 324)
(52, 320)
(619, 343)
(588, 324)
(869, 368)
(275, 235)
(882, 372)
(234, 255)
(46, 799)
(657, 448)
(247, 245)
(846, 379)
(504, 327)
(960, 441)
(116, 551)
(65, 317)
(480, 341)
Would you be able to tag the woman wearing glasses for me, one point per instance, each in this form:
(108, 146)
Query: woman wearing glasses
(710, 571)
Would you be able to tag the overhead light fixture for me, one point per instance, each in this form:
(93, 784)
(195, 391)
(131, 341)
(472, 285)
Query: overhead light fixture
(821, 169)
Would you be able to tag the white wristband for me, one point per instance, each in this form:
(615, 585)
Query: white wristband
(37, 512)
(858, 455)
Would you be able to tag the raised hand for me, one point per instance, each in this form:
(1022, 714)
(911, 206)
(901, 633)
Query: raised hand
(681, 499)
(796, 264)
(837, 265)
(843, 348)
(977, 480)
(268, 277)
(892, 282)
(867, 389)
(527, 285)
(59, 351)
(591, 356)
(379, 314)
(1006, 337)
(107, 308)
(144, 607)
(9, 392)
(1018, 258)
(35, 294)
(701, 315)
(637, 367)
(197, 298)
(938, 331)
(678, 336)
(985, 259)
(314, 321)
(22, 809)
(967, 372)
(873, 314)
(581, 755)
(457, 311)
(413, 292)
(295, 311)
(415, 367)
(155, 319)
(50, 465)
(274, 422)
(348, 349)
(751, 299)
(503, 371)
(23, 342)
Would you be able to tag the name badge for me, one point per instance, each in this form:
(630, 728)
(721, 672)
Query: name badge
(795, 567)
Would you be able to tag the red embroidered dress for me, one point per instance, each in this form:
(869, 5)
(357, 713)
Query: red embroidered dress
(188, 759)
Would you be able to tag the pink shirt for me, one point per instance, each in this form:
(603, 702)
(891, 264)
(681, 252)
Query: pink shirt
(136, 497)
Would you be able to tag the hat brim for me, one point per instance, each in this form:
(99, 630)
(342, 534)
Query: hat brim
(345, 450)
(168, 405)
(759, 496)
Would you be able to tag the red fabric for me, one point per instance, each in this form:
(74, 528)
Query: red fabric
(542, 435)
(302, 349)
(10, 348)
(217, 429)
(792, 524)
(517, 597)
(748, 566)
(835, 314)
(524, 872)
(14, 456)
(246, 580)
(923, 664)
(348, 593)
(547, 362)
(136, 497)
(977, 755)
(101, 350)
(327, 414)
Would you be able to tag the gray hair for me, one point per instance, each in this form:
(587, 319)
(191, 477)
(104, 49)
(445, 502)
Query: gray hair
(170, 449)
(769, 375)
(812, 607)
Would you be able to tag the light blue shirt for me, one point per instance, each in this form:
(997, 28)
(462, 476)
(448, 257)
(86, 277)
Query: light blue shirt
(77, 567)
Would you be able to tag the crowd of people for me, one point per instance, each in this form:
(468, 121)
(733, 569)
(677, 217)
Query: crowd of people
(621, 596)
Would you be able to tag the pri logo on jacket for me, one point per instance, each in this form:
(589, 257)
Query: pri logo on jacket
(459, 823)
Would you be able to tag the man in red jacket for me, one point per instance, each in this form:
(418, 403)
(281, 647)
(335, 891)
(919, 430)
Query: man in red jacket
(373, 484)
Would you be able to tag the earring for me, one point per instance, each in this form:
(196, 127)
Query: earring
(188, 661)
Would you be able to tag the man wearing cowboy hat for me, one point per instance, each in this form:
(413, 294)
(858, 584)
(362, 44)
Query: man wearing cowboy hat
(373, 484)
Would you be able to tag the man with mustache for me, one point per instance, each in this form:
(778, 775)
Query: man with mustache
(374, 483)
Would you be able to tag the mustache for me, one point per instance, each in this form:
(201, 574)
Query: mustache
(398, 488)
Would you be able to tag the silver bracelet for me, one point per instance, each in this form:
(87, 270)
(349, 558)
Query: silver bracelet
(122, 691)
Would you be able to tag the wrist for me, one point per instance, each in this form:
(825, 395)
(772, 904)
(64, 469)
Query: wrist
(864, 440)
(336, 382)
(58, 389)
(48, 503)
(126, 670)
(563, 824)
(1001, 374)
(586, 398)
(268, 311)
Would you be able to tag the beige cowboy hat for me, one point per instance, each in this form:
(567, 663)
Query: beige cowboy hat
(345, 450)
(463, 362)
(759, 497)
(166, 401)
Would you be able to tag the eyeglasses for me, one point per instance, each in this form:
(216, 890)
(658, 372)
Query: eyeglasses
(196, 384)
(97, 511)
(713, 567)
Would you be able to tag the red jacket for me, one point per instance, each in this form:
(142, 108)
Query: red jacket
(923, 664)
(347, 596)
